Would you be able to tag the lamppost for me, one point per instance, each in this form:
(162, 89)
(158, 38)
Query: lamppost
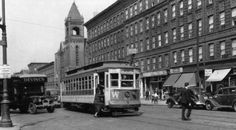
(6, 120)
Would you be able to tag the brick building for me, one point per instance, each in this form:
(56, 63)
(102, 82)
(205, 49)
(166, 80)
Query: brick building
(71, 51)
(175, 40)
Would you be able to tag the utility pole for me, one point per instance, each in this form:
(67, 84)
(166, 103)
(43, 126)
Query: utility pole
(6, 120)
(197, 58)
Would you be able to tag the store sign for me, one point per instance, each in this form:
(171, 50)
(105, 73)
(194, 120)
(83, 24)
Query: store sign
(176, 70)
(156, 73)
(5, 71)
(208, 72)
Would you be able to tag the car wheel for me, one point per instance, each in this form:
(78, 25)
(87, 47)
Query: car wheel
(209, 106)
(234, 106)
(32, 108)
(170, 104)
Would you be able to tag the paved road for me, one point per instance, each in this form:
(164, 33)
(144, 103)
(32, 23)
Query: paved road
(156, 117)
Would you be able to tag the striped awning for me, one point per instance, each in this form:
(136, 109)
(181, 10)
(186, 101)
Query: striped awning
(171, 80)
(186, 77)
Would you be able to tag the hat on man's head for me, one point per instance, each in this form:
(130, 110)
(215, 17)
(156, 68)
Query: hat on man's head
(186, 84)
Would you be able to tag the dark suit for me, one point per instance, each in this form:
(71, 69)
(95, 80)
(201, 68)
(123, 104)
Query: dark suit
(186, 100)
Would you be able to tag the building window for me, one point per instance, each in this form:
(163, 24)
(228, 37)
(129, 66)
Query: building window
(190, 6)
(136, 28)
(210, 2)
(200, 27)
(181, 8)
(141, 26)
(127, 32)
(153, 21)
(199, 3)
(211, 49)
(181, 32)
(142, 65)
(154, 63)
(175, 57)
(190, 30)
(190, 54)
(131, 30)
(141, 46)
(159, 40)
(166, 60)
(165, 15)
(173, 11)
(131, 11)
(210, 23)
(160, 62)
(135, 9)
(222, 48)
(174, 35)
(148, 64)
(234, 47)
(146, 4)
(147, 23)
(166, 38)
(222, 18)
(200, 53)
(126, 14)
(182, 56)
(140, 5)
(153, 42)
(148, 44)
(158, 18)
(234, 16)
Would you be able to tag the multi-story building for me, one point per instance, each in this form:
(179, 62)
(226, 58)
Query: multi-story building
(33, 67)
(71, 52)
(173, 38)
(51, 84)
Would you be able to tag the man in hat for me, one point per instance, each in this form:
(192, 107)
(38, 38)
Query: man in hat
(187, 101)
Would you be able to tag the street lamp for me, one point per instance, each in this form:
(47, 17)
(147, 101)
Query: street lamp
(6, 120)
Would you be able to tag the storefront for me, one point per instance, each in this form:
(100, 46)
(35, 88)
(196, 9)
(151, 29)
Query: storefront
(153, 81)
(220, 78)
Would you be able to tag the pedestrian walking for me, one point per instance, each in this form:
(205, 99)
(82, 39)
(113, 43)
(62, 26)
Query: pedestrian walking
(147, 94)
(187, 101)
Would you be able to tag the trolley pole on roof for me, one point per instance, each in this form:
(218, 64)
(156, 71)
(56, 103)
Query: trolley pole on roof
(6, 120)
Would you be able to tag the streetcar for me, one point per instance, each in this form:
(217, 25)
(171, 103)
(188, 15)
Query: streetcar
(120, 83)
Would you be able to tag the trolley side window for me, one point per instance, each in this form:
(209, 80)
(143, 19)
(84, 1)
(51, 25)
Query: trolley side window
(114, 79)
(127, 80)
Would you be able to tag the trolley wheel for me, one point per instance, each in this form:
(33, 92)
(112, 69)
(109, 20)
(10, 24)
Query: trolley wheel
(50, 109)
(32, 108)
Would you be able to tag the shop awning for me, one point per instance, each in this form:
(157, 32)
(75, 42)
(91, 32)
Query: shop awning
(171, 80)
(186, 77)
(218, 75)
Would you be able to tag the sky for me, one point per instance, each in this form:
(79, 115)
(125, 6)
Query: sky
(35, 28)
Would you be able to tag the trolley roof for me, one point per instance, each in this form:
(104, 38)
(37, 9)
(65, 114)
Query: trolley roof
(101, 66)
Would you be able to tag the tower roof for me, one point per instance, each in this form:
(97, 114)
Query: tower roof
(74, 13)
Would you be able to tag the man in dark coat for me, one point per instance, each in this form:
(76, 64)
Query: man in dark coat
(99, 100)
(187, 101)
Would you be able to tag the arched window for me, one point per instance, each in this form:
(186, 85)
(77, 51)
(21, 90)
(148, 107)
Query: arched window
(75, 31)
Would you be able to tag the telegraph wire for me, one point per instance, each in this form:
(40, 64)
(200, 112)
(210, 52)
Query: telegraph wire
(36, 24)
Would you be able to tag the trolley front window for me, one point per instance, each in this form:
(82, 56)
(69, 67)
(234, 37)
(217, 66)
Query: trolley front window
(127, 80)
(114, 79)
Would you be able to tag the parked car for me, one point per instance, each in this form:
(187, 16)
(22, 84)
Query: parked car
(223, 98)
(200, 98)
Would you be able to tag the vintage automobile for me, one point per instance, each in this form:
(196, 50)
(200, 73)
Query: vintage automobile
(27, 93)
(223, 98)
(173, 98)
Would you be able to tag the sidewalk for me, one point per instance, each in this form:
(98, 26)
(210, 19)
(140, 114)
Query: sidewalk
(148, 102)
(16, 126)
